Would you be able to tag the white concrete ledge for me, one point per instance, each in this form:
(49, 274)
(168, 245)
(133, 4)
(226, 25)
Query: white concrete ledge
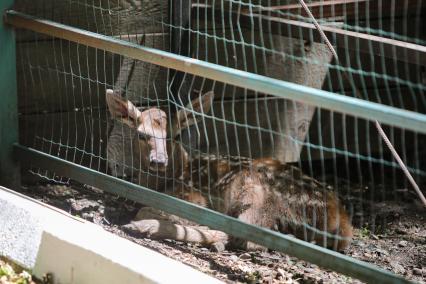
(48, 240)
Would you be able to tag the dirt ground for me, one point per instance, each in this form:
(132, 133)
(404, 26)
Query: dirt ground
(397, 242)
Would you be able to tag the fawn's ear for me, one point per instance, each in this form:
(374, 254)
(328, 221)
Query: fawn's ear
(193, 112)
(122, 109)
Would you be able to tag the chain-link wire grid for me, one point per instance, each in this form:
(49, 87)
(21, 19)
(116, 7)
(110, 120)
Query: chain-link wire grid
(381, 46)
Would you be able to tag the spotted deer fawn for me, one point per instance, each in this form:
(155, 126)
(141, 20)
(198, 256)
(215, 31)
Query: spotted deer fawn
(263, 192)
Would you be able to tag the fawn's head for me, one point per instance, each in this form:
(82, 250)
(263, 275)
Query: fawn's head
(151, 126)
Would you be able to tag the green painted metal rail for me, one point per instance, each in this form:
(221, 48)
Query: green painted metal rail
(9, 170)
(358, 108)
(274, 240)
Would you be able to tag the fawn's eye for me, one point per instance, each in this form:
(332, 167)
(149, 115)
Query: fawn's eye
(143, 136)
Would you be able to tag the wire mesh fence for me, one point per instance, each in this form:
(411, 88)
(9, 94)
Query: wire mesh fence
(218, 144)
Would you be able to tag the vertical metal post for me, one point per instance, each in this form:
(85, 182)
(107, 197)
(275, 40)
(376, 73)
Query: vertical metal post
(9, 168)
(180, 19)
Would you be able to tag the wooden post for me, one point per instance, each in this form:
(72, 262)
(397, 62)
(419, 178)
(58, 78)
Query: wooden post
(180, 19)
(9, 168)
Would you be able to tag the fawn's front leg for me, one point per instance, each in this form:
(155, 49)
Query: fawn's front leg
(156, 224)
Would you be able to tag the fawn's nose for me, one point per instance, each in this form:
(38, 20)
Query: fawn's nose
(158, 162)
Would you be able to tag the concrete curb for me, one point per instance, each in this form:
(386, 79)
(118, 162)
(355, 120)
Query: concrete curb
(48, 240)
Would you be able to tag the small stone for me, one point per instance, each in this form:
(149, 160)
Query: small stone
(397, 268)
(88, 216)
(381, 251)
(400, 231)
(233, 257)
(403, 243)
(101, 209)
(245, 256)
(83, 205)
(244, 268)
(280, 272)
(417, 271)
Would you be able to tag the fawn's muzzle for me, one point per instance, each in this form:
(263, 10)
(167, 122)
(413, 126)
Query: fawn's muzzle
(157, 162)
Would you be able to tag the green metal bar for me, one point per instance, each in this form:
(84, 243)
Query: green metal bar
(274, 240)
(9, 168)
(343, 104)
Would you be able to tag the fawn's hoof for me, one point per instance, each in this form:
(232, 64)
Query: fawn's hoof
(131, 229)
(217, 247)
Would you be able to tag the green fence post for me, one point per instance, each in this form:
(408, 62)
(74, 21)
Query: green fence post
(9, 168)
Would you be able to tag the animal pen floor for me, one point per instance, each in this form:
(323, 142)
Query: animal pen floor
(399, 246)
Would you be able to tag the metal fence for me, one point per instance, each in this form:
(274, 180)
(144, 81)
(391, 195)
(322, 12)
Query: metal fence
(279, 91)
